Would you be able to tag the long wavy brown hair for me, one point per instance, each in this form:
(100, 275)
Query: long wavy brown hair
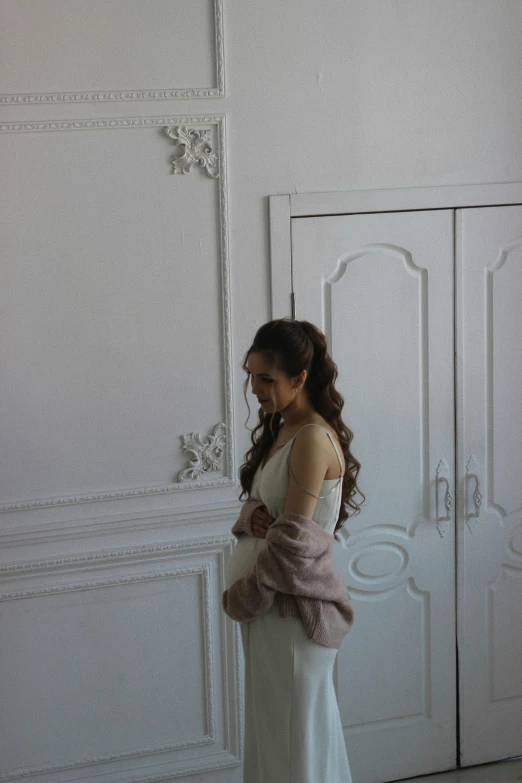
(292, 346)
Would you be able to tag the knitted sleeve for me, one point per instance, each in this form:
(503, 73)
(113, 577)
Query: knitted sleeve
(243, 523)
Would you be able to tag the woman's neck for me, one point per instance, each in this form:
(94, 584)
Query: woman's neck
(296, 413)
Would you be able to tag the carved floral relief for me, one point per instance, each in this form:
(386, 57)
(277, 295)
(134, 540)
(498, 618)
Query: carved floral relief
(195, 149)
(208, 451)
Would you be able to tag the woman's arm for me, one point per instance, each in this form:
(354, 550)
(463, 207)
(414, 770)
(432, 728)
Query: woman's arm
(298, 561)
(243, 524)
(308, 464)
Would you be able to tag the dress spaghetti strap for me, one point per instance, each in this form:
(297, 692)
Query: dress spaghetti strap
(319, 497)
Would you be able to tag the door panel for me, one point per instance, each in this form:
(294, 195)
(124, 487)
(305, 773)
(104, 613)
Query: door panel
(381, 288)
(489, 383)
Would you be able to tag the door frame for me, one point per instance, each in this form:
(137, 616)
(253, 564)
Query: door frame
(284, 208)
(294, 205)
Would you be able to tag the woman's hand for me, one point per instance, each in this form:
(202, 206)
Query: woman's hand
(260, 522)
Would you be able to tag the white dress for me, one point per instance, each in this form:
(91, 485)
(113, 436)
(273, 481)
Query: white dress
(293, 731)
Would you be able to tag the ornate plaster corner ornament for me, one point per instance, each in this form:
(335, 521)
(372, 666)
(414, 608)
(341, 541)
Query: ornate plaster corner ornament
(208, 454)
(196, 147)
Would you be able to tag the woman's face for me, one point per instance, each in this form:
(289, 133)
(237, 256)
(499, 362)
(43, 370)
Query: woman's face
(272, 387)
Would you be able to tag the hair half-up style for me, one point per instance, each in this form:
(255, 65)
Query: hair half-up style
(293, 346)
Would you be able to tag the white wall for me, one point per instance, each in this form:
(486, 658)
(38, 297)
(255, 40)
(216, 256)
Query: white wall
(357, 95)
(320, 96)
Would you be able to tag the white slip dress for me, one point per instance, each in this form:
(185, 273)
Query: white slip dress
(293, 731)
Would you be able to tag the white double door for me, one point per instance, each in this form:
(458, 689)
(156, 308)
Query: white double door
(423, 315)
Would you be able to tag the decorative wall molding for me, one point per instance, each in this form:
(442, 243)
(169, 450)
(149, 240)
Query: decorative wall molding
(156, 122)
(227, 762)
(110, 557)
(233, 762)
(515, 543)
(174, 557)
(203, 572)
(208, 454)
(197, 149)
(505, 257)
(140, 94)
(112, 122)
(223, 760)
(216, 513)
(494, 590)
(420, 275)
(388, 540)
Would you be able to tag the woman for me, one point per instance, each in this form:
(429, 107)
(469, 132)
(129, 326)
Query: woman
(299, 464)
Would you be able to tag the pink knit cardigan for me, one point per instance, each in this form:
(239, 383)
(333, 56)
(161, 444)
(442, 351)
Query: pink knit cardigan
(297, 570)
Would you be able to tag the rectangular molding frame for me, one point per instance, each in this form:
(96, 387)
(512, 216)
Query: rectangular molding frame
(173, 558)
(285, 207)
(139, 123)
(140, 94)
(216, 513)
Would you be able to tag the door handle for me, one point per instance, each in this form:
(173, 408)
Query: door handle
(440, 478)
(472, 474)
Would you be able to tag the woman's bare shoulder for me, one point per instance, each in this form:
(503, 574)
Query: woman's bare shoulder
(309, 441)
(312, 441)
(316, 434)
